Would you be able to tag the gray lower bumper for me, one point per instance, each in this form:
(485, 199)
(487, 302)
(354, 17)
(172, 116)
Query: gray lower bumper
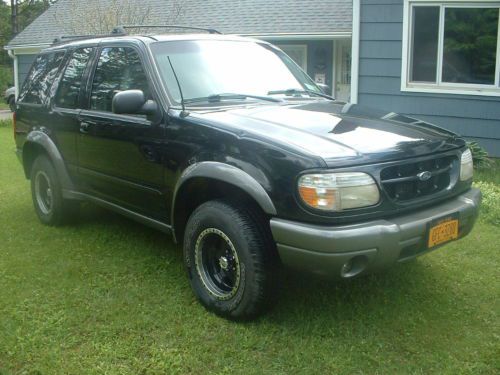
(368, 246)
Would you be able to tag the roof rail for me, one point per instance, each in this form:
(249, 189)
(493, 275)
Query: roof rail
(68, 38)
(122, 29)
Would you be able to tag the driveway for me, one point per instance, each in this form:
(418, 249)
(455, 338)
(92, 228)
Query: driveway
(5, 115)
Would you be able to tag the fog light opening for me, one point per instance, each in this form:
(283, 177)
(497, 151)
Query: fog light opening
(354, 266)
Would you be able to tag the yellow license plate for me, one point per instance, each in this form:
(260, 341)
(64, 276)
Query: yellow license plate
(444, 231)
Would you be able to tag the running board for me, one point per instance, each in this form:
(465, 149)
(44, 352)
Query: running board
(68, 194)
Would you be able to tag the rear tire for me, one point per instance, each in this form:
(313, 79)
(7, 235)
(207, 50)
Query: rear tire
(230, 258)
(46, 192)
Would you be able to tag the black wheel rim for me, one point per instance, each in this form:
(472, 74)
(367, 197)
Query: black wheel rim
(43, 192)
(217, 263)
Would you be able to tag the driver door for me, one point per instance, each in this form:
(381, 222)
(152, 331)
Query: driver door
(119, 156)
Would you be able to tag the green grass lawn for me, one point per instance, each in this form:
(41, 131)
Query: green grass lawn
(3, 105)
(107, 295)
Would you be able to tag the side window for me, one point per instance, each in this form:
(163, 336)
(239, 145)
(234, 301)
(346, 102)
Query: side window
(119, 69)
(68, 92)
(40, 78)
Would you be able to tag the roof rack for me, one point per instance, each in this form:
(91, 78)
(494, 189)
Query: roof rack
(67, 38)
(121, 30)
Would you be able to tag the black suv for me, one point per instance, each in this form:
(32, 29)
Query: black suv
(228, 145)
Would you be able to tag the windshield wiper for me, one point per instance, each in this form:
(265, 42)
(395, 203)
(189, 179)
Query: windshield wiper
(299, 91)
(219, 97)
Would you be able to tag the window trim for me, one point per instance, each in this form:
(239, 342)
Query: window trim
(443, 87)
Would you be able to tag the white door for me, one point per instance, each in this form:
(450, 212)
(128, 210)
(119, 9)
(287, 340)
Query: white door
(343, 70)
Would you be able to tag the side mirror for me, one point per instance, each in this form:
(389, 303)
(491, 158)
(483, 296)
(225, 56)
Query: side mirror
(134, 102)
(324, 88)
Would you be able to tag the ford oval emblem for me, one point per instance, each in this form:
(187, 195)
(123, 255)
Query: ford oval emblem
(424, 176)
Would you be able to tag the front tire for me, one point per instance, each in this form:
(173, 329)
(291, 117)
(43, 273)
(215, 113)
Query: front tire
(50, 206)
(230, 258)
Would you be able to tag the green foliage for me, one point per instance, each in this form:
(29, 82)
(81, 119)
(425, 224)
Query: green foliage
(479, 155)
(490, 210)
(28, 10)
(6, 79)
(471, 39)
(5, 123)
(5, 32)
(490, 174)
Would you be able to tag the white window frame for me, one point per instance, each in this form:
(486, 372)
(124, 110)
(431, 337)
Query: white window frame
(439, 86)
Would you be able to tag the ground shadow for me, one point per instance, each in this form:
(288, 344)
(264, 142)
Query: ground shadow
(387, 295)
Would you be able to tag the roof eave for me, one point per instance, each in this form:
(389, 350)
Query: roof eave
(26, 48)
(301, 36)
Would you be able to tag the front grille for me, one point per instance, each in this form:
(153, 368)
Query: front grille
(404, 182)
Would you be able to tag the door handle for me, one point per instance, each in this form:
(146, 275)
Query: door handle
(148, 152)
(85, 127)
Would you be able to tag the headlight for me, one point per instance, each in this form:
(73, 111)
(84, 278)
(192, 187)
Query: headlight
(466, 166)
(338, 191)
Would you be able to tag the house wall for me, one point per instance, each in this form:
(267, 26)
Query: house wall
(24, 64)
(380, 53)
(319, 56)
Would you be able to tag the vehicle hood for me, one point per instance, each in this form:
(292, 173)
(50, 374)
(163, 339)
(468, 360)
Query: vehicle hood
(338, 133)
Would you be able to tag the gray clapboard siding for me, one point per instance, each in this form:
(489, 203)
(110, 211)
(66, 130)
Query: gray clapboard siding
(380, 31)
(475, 117)
(380, 49)
(24, 64)
(436, 106)
(389, 13)
(370, 67)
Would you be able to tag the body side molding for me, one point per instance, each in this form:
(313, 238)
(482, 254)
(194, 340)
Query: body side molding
(143, 219)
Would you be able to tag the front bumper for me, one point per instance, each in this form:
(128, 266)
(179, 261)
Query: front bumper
(368, 246)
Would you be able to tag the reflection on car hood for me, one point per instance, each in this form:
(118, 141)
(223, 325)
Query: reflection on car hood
(335, 131)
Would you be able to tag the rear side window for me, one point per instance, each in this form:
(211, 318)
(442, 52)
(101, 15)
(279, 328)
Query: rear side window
(42, 74)
(119, 69)
(68, 93)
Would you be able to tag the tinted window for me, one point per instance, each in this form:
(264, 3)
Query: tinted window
(69, 88)
(40, 78)
(119, 69)
(425, 44)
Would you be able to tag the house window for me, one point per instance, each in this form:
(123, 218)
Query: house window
(297, 52)
(452, 47)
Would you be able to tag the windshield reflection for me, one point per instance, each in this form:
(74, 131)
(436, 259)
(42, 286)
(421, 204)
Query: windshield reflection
(206, 68)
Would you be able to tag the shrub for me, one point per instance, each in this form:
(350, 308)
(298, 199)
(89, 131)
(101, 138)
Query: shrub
(479, 155)
(6, 78)
(490, 208)
(5, 123)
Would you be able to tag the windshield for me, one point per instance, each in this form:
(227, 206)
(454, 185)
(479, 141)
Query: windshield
(208, 68)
